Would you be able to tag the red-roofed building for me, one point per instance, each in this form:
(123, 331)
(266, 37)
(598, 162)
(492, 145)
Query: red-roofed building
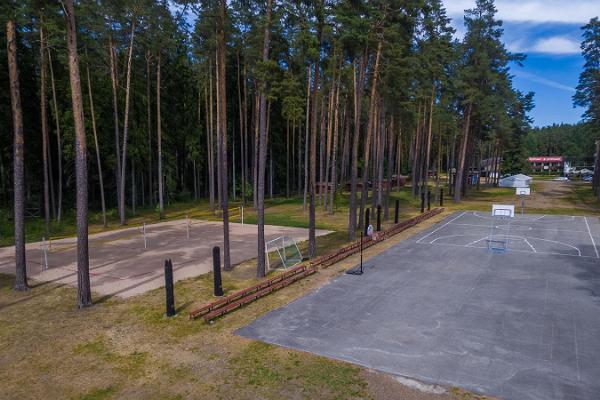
(547, 163)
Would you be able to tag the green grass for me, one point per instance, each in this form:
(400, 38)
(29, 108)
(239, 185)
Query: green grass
(99, 393)
(264, 366)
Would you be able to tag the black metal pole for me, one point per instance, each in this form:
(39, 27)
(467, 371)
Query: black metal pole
(367, 217)
(378, 218)
(169, 288)
(422, 202)
(428, 200)
(441, 197)
(361, 258)
(218, 287)
(396, 211)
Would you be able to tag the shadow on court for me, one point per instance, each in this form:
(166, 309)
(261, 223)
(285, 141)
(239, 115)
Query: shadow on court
(440, 307)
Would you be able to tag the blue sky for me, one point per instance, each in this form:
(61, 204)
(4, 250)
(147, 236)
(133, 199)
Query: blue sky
(548, 32)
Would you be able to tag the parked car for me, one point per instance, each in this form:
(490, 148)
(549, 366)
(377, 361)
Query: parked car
(588, 178)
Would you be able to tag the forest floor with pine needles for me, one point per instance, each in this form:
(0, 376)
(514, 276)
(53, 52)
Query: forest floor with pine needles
(126, 348)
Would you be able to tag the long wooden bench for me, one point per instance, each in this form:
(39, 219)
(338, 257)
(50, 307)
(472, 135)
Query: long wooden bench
(256, 295)
(223, 302)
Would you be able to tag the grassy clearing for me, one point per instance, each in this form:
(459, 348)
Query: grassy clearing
(128, 349)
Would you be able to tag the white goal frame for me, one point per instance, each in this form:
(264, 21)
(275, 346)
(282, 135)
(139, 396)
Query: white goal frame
(279, 245)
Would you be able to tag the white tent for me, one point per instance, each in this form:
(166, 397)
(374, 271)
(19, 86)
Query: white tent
(516, 181)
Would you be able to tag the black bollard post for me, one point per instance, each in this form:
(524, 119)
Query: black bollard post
(422, 202)
(396, 211)
(367, 222)
(169, 288)
(429, 200)
(441, 197)
(378, 218)
(218, 286)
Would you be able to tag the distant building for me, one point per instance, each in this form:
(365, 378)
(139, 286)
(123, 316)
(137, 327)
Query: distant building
(547, 163)
(490, 166)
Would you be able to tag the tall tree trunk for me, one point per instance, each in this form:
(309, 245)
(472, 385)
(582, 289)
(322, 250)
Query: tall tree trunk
(149, 115)
(18, 163)
(161, 204)
(255, 148)
(293, 157)
(58, 139)
(245, 141)
(399, 158)
(44, 120)
(306, 136)
(242, 153)
(115, 96)
(312, 239)
(416, 152)
(380, 155)
(218, 131)
(345, 146)
(335, 147)
(329, 140)
(126, 127)
(287, 158)
(99, 163)
(84, 293)
(429, 141)
(358, 89)
(133, 198)
(209, 138)
(322, 150)
(370, 128)
(262, 148)
(299, 162)
(223, 130)
(390, 168)
(460, 170)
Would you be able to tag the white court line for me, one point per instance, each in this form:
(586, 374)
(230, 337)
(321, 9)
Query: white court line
(478, 240)
(446, 224)
(515, 225)
(510, 250)
(529, 244)
(510, 237)
(531, 219)
(591, 237)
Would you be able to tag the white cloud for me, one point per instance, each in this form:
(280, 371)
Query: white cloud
(538, 11)
(556, 45)
(547, 82)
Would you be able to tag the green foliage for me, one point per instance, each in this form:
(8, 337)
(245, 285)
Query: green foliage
(575, 142)
(588, 89)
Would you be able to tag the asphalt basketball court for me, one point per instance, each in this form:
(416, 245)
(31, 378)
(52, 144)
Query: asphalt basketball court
(443, 308)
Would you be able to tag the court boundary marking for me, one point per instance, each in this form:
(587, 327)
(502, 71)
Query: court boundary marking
(479, 237)
(591, 236)
(510, 250)
(517, 227)
(524, 238)
(443, 226)
(570, 217)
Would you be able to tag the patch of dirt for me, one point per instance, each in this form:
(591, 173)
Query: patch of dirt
(548, 194)
(386, 387)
